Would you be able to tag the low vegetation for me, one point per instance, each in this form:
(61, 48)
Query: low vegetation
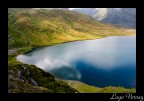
(84, 88)
(35, 28)
(30, 28)
(25, 78)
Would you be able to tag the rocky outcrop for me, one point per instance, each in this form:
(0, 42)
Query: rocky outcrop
(23, 78)
(11, 51)
(32, 82)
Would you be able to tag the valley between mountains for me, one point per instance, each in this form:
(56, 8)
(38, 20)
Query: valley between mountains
(32, 28)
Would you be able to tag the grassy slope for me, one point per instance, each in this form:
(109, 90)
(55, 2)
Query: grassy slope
(84, 88)
(21, 79)
(28, 28)
(36, 28)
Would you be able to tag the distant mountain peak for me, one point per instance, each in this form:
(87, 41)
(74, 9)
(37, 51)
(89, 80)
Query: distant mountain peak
(125, 17)
(101, 14)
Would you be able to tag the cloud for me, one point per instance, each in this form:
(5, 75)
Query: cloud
(62, 59)
(59, 67)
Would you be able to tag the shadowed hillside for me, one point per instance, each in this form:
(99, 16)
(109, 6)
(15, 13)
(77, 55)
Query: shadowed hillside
(32, 28)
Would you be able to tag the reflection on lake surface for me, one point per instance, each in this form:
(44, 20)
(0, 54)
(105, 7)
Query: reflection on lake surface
(101, 62)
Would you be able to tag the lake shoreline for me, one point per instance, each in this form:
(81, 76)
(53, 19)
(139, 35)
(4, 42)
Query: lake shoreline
(63, 42)
(27, 51)
(30, 29)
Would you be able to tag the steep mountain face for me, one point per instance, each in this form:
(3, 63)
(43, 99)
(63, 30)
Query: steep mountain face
(125, 17)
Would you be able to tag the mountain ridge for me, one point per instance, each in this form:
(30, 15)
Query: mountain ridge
(125, 17)
(56, 26)
(29, 28)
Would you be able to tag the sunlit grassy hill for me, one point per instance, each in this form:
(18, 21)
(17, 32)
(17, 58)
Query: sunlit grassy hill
(32, 28)
(84, 88)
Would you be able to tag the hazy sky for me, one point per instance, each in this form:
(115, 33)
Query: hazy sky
(73, 8)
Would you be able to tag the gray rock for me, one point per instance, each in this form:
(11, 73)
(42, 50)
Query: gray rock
(31, 81)
(28, 72)
(24, 67)
(12, 51)
(19, 75)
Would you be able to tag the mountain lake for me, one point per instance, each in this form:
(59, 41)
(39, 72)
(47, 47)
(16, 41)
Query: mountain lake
(109, 61)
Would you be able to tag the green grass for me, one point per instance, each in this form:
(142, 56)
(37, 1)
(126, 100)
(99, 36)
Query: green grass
(36, 28)
(84, 88)
(81, 87)
(18, 80)
(29, 28)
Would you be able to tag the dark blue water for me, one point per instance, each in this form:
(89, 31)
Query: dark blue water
(102, 62)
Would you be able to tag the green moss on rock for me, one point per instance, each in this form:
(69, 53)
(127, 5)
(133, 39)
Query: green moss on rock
(29, 78)
(29, 28)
